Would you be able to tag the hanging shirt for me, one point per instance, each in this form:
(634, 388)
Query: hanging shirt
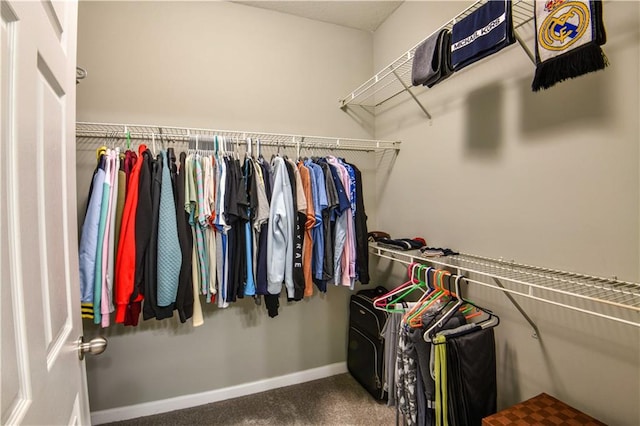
(262, 212)
(235, 239)
(320, 201)
(268, 178)
(307, 246)
(126, 257)
(222, 228)
(169, 253)
(352, 223)
(100, 273)
(200, 223)
(108, 256)
(198, 318)
(89, 240)
(298, 230)
(280, 232)
(349, 247)
(150, 307)
(362, 244)
(142, 237)
(210, 231)
(261, 269)
(342, 252)
(184, 297)
(260, 220)
(131, 158)
(190, 208)
(328, 225)
(173, 171)
(252, 204)
(406, 377)
(122, 191)
(301, 200)
(352, 185)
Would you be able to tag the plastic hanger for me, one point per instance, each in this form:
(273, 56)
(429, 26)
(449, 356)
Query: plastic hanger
(381, 302)
(424, 297)
(387, 302)
(413, 316)
(448, 314)
(415, 319)
(492, 321)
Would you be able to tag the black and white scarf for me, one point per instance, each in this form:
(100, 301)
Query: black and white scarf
(569, 34)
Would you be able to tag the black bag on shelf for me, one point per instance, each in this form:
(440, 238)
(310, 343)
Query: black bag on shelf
(365, 353)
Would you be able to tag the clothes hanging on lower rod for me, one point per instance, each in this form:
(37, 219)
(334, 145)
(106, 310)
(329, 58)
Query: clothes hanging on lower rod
(160, 232)
(441, 368)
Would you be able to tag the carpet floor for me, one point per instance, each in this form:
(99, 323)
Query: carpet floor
(336, 400)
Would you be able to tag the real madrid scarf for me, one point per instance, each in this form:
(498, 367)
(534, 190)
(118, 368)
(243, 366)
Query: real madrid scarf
(569, 34)
(484, 32)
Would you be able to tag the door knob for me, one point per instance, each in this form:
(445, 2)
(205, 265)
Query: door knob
(95, 346)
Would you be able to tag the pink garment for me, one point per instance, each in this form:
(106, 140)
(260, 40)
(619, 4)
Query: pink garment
(351, 232)
(107, 244)
(349, 245)
(348, 255)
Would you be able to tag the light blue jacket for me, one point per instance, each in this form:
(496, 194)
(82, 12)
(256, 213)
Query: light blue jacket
(280, 233)
(89, 239)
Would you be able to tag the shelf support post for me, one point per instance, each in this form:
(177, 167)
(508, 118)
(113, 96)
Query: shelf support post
(515, 303)
(408, 89)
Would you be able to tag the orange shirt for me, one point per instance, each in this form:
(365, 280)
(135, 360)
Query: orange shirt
(307, 245)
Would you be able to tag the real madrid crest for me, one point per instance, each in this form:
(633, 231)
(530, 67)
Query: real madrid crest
(565, 24)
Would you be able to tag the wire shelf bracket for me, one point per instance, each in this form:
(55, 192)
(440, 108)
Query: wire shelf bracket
(395, 78)
(606, 298)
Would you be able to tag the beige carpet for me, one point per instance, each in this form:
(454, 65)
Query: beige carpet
(337, 400)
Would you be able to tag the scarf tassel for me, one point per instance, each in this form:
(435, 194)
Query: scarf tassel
(585, 59)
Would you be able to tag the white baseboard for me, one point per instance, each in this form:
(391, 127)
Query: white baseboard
(188, 401)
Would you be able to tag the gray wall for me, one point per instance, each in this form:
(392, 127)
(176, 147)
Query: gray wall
(223, 66)
(549, 179)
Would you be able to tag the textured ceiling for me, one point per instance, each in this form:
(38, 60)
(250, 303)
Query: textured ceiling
(361, 15)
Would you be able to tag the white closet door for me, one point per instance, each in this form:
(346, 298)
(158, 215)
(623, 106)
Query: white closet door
(43, 381)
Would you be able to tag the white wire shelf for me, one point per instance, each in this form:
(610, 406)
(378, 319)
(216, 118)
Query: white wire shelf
(184, 134)
(395, 78)
(602, 297)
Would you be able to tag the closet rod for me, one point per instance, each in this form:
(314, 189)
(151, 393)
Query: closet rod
(148, 132)
(602, 297)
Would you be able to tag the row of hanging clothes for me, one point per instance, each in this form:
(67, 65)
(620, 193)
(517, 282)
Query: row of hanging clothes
(440, 361)
(162, 230)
